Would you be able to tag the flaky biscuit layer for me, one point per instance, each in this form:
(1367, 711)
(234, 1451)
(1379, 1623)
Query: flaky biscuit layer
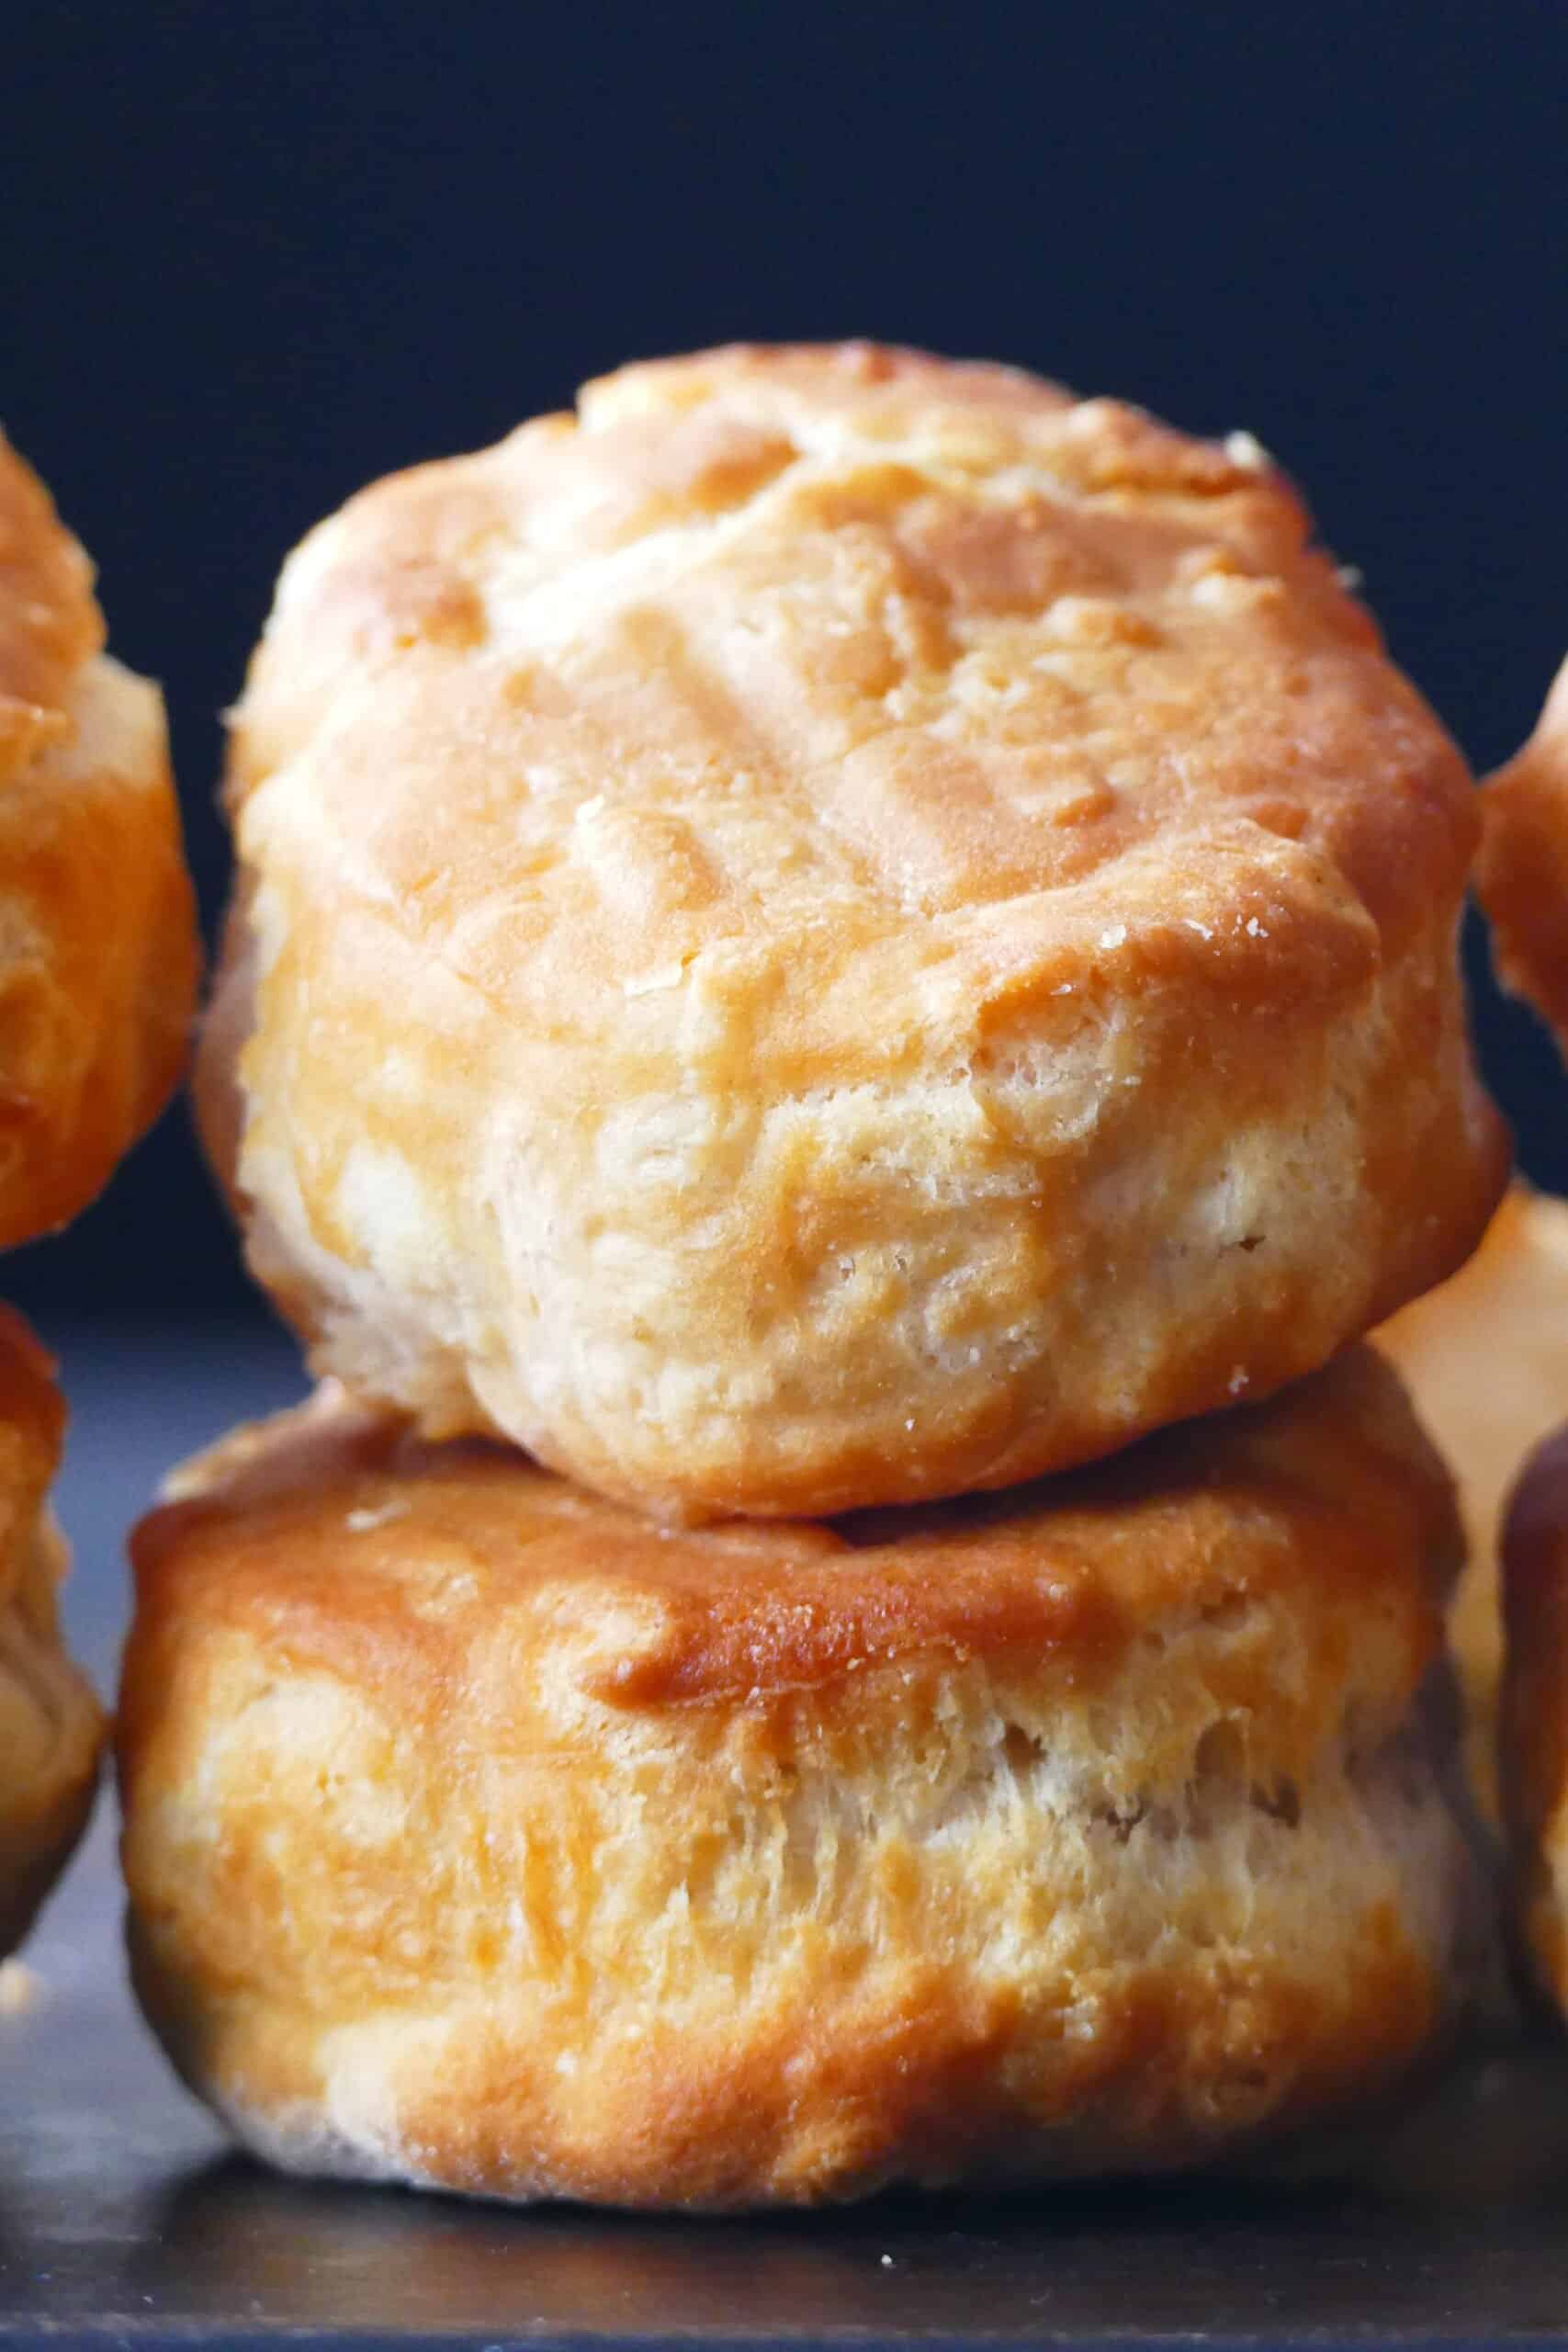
(483, 1835)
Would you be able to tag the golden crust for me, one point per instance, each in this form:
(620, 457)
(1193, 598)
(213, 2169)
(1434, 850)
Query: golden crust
(97, 933)
(1534, 1731)
(1522, 871)
(1486, 1358)
(482, 1833)
(51, 1727)
(839, 930)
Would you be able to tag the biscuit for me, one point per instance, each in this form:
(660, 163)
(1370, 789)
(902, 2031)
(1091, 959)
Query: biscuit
(1533, 1748)
(840, 929)
(50, 1728)
(482, 1835)
(1485, 1360)
(1522, 871)
(98, 927)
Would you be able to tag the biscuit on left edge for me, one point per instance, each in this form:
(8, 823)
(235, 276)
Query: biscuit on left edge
(98, 969)
(98, 953)
(51, 1727)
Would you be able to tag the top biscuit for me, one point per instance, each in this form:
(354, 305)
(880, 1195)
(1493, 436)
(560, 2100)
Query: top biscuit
(1523, 868)
(838, 929)
(97, 925)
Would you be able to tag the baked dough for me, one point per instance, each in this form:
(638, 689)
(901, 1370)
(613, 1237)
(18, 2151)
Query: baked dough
(50, 1728)
(1534, 1745)
(482, 1835)
(98, 927)
(840, 929)
(1522, 874)
(1486, 1358)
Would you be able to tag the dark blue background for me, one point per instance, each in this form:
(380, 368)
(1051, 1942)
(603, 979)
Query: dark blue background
(254, 252)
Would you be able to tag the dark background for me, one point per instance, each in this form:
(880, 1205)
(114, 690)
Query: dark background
(254, 252)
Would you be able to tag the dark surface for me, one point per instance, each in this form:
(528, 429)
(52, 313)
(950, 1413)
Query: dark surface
(253, 254)
(123, 2222)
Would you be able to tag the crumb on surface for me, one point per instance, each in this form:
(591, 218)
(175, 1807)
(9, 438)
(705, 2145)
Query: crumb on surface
(21, 1988)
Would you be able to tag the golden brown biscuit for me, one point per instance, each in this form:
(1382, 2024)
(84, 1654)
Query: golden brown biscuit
(1522, 871)
(1533, 1752)
(483, 1835)
(97, 929)
(51, 1729)
(838, 930)
(1486, 1358)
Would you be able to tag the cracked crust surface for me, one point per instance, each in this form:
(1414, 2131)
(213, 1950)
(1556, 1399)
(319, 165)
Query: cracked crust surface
(51, 1727)
(98, 927)
(838, 929)
(484, 1835)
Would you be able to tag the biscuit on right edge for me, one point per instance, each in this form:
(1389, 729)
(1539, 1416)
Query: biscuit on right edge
(482, 1835)
(1533, 1747)
(837, 928)
(1485, 1360)
(1522, 869)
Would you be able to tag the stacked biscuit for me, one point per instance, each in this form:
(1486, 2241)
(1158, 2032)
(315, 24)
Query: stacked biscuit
(98, 979)
(840, 1007)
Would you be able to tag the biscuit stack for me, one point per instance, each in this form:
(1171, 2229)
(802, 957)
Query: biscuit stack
(833, 935)
(97, 984)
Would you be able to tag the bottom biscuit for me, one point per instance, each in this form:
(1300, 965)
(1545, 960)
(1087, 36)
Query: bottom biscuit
(480, 1834)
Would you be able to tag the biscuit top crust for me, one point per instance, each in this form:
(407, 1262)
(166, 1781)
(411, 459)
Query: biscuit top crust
(1323, 1510)
(50, 625)
(32, 1431)
(850, 682)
